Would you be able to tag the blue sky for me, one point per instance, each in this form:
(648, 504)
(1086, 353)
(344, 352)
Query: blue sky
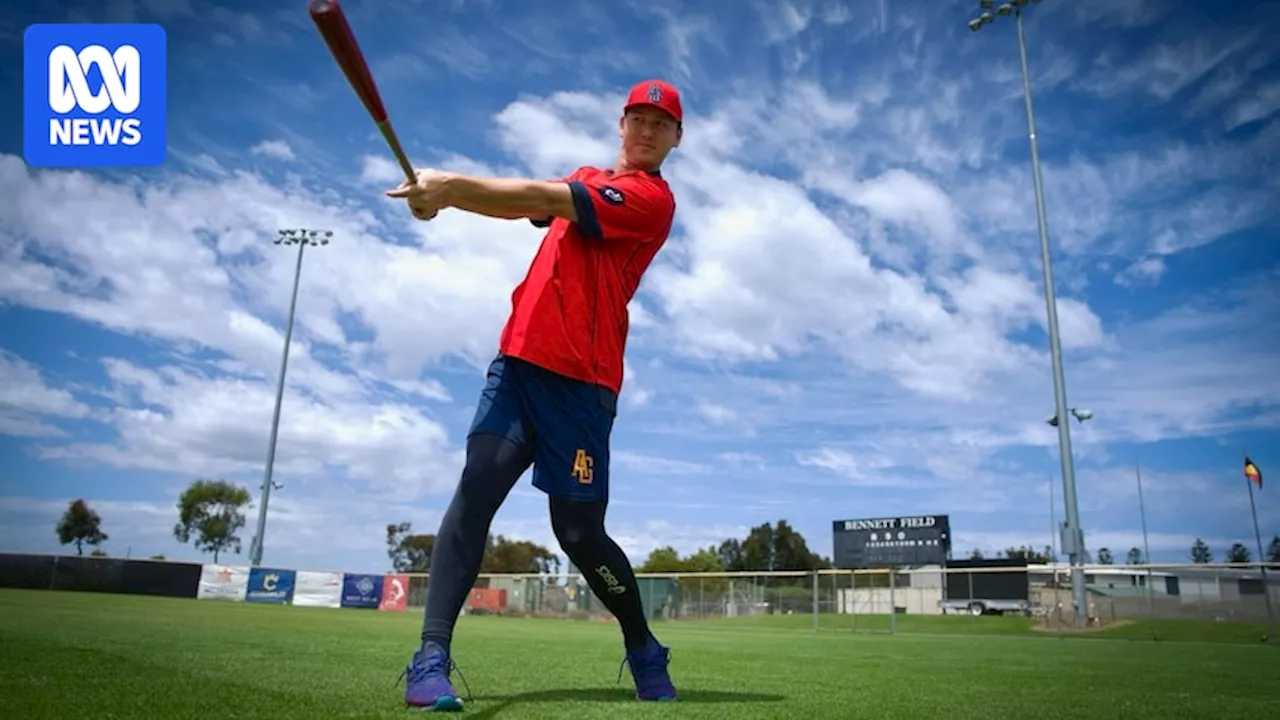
(848, 320)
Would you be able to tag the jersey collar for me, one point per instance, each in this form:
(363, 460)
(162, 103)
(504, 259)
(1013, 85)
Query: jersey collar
(651, 173)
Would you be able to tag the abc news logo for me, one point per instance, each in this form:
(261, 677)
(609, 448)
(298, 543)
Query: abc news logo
(94, 95)
(121, 91)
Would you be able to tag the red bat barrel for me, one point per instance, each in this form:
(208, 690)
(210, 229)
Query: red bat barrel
(333, 27)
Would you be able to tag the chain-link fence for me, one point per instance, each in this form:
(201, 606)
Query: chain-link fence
(919, 600)
(1233, 599)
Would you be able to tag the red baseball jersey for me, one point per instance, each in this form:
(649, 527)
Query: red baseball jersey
(569, 314)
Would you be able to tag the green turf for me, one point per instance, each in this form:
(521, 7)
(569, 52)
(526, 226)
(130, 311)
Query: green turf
(68, 655)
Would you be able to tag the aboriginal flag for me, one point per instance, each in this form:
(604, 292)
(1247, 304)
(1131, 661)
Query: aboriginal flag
(1252, 472)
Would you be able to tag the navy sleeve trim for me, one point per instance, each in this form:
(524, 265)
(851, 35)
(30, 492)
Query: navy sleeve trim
(541, 222)
(588, 223)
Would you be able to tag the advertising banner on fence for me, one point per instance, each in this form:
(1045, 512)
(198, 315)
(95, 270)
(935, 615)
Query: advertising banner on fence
(269, 585)
(317, 589)
(395, 593)
(223, 582)
(361, 591)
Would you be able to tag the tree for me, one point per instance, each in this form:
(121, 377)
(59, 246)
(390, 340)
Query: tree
(1200, 553)
(668, 560)
(1135, 557)
(664, 560)
(732, 558)
(396, 533)
(1104, 556)
(1239, 554)
(1027, 554)
(976, 554)
(210, 513)
(773, 548)
(704, 561)
(1273, 550)
(409, 552)
(504, 556)
(758, 549)
(80, 524)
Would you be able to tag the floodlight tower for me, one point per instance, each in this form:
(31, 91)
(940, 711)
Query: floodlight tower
(1072, 534)
(301, 237)
(1081, 415)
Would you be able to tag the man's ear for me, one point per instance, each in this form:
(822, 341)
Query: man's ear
(679, 134)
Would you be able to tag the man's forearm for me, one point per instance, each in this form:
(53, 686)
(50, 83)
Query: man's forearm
(499, 198)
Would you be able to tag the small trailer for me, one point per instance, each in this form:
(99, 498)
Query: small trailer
(991, 587)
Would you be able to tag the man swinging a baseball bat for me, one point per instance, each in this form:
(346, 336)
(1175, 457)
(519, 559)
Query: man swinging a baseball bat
(551, 393)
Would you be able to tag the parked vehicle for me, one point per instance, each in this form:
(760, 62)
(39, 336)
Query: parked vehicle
(992, 587)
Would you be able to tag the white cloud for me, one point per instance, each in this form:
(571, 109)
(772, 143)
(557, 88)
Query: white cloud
(375, 169)
(867, 470)
(27, 403)
(1259, 105)
(277, 149)
(185, 422)
(901, 198)
(640, 462)
(716, 414)
(640, 539)
(1146, 270)
(116, 272)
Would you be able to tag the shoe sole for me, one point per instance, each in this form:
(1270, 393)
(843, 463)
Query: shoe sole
(444, 704)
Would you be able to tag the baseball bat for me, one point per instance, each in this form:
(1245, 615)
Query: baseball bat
(333, 27)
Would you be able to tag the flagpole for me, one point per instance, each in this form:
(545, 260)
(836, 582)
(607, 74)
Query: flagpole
(1262, 561)
(1146, 545)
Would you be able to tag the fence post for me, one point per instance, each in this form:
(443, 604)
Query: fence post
(893, 602)
(837, 603)
(970, 576)
(853, 599)
(815, 600)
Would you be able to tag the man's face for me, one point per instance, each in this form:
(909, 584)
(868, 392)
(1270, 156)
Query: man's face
(648, 134)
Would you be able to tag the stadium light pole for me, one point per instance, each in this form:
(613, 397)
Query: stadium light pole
(1081, 415)
(301, 237)
(1072, 536)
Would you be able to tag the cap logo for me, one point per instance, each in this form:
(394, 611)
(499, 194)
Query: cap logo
(655, 93)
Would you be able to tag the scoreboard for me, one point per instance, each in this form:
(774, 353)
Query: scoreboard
(891, 542)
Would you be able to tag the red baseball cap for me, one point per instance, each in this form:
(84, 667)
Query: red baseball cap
(656, 93)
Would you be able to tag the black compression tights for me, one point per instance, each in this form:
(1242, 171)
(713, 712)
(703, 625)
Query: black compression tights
(493, 466)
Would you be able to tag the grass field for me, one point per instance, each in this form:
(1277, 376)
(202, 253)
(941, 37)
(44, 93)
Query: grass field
(69, 655)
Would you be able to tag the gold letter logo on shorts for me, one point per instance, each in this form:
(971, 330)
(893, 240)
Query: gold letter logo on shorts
(583, 467)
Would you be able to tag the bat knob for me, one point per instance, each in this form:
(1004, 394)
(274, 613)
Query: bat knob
(322, 6)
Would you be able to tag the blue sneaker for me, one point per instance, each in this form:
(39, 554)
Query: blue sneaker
(649, 670)
(427, 683)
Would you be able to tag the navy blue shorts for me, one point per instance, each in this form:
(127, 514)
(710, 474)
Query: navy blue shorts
(568, 423)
